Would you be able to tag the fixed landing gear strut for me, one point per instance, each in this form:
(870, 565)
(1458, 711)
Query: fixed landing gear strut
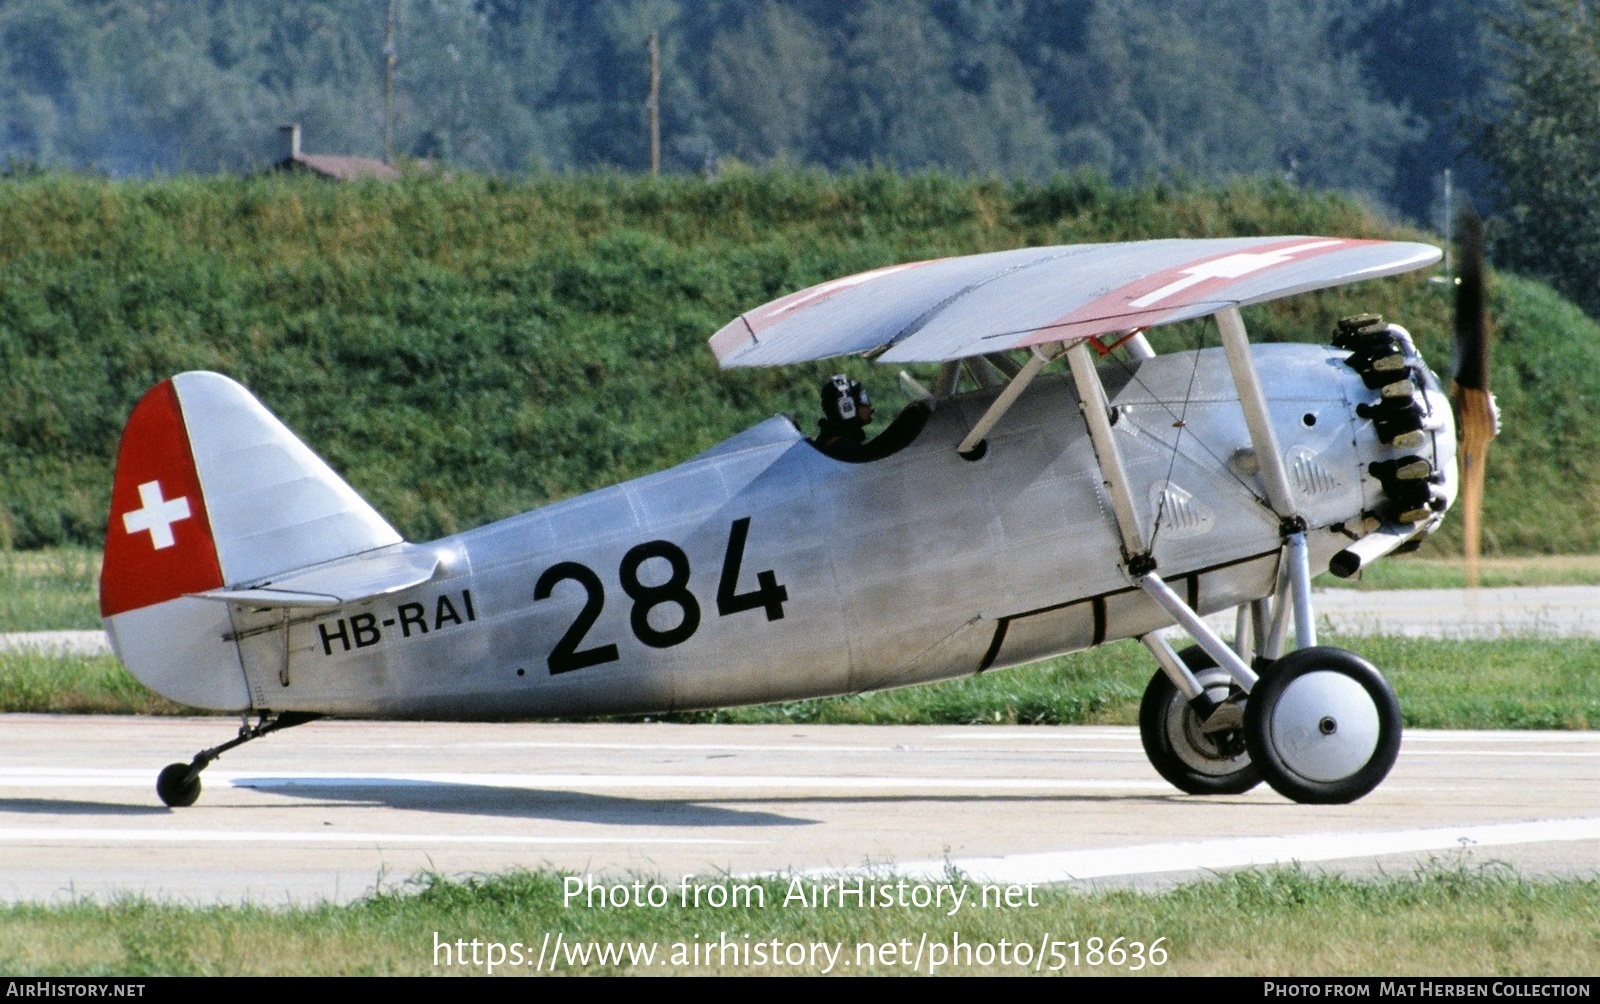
(178, 784)
(1321, 726)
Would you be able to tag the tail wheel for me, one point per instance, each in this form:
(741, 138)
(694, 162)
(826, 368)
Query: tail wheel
(1323, 725)
(178, 785)
(1201, 758)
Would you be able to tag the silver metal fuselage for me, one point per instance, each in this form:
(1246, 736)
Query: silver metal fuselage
(855, 577)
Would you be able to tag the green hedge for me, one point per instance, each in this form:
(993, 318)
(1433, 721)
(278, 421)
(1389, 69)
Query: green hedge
(464, 348)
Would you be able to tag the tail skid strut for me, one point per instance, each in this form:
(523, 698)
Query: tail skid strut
(179, 784)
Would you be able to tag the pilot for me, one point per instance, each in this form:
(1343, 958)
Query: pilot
(846, 413)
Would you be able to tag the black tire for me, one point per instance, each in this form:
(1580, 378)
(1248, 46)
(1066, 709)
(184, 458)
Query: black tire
(176, 787)
(1323, 725)
(1189, 759)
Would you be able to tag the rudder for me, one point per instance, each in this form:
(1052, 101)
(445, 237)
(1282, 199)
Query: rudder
(212, 491)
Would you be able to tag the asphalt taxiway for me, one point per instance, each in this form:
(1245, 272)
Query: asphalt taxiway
(332, 810)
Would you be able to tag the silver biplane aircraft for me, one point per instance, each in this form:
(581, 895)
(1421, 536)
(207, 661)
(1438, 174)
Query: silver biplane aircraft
(1037, 514)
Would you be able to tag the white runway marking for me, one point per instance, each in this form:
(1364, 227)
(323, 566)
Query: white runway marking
(111, 835)
(1456, 736)
(27, 777)
(717, 781)
(1504, 754)
(1207, 855)
(991, 737)
(640, 746)
(1117, 734)
(56, 642)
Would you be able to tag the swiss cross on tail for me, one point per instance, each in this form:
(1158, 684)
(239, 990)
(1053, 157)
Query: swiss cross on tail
(157, 515)
(158, 540)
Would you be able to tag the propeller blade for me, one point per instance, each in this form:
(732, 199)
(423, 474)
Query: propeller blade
(1475, 416)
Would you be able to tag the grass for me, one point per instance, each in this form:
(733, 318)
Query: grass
(78, 685)
(1101, 686)
(495, 336)
(51, 589)
(1517, 683)
(1520, 683)
(1453, 916)
(1411, 572)
(1511, 683)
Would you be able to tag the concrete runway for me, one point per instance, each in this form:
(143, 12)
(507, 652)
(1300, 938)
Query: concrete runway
(1543, 611)
(335, 809)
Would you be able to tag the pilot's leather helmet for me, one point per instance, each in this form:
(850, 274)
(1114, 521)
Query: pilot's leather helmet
(844, 399)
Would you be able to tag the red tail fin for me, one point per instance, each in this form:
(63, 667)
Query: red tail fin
(158, 542)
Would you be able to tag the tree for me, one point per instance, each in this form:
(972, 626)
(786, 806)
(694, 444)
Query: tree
(1301, 64)
(768, 81)
(1544, 146)
(1149, 95)
(1352, 94)
(1437, 60)
(42, 46)
(912, 97)
(1213, 90)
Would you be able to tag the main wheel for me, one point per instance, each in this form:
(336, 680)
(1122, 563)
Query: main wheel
(1194, 760)
(176, 787)
(1323, 725)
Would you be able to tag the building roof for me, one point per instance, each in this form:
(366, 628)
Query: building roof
(340, 167)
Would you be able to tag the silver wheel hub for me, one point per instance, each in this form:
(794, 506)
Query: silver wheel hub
(1185, 733)
(1325, 726)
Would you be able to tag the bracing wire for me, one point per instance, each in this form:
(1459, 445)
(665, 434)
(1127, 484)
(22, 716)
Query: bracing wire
(1180, 422)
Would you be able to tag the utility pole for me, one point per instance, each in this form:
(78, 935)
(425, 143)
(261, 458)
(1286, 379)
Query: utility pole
(388, 88)
(1448, 279)
(1449, 210)
(655, 106)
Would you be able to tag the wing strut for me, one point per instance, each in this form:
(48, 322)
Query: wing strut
(1138, 561)
(1275, 476)
(1041, 356)
(1092, 399)
(1256, 418)
(1294, 591)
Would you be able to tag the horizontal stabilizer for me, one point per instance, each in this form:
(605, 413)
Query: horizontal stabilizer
(273, 598)
(215, 499)
(361, 577)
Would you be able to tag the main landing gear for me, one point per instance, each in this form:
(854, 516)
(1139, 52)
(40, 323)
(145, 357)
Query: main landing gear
(1321, 726)
(1318, 724)
(178, 784)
